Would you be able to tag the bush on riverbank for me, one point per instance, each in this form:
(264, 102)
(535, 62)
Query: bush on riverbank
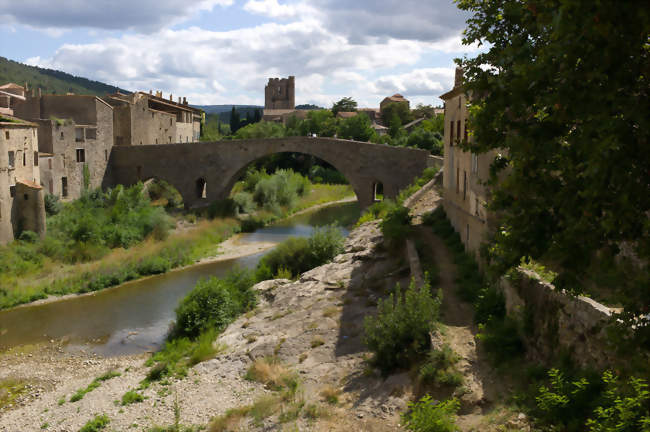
(298, 254)
(214, 303)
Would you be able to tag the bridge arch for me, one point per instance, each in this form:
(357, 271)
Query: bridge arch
(221, 163)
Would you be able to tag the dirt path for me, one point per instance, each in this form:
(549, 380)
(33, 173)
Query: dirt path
(483, 390)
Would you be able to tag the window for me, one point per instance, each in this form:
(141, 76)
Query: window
(24, 158)
(451, 133)
(458, 102)
(35, 158)
(476, 208)
(49, 163)
(464, 185)
(64, 187)
(156, 141)
(61, 137)
(170, 140)
(7, 134)
(12, 191)
(12, 160)
(79, 134)
(105, 154)
(474, 163)
(91, 133)
(458, 130)
(201, 189)
(81, 155)
(465, 130)
(63, 161)
(26, 197)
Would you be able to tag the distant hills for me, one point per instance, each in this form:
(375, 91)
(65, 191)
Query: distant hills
(50, 80)
(218, 109)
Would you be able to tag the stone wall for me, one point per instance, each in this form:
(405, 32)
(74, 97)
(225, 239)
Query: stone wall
(554, 323)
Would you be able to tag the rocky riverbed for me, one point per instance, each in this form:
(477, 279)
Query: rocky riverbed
(312, 326)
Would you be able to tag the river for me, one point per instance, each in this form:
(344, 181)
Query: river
(135, 317)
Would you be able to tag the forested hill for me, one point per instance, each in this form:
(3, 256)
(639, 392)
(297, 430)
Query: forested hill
(51, 81)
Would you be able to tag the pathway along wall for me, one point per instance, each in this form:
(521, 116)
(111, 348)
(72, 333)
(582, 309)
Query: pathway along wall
(206, 171)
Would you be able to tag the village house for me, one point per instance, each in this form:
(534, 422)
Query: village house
(10, 94)
(464, 195)
(144, 118)
(75, 137)
(21, 197)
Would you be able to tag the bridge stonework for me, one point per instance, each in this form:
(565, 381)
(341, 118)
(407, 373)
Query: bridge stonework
(220, 164)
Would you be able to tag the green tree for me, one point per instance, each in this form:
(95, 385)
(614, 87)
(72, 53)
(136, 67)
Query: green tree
(234, 120)
(423, 111)
(261, 130)
(400, 108)
(357, 128)
(320, 122)
(563, 88)
(346, 104)
(435, 124)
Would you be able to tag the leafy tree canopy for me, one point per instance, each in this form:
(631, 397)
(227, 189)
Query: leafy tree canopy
(424, 111)
(563, 91)
(346, 104)
(357, 128)
(399, 109)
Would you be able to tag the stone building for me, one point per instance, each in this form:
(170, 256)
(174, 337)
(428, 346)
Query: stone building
(464, 197)
(75, 137)
(144, 118)
(280, 94)
(21, 197)
(280, 100)
(10, 94)
(396, 98)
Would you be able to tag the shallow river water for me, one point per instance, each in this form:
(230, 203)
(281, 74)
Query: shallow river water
(136, 316)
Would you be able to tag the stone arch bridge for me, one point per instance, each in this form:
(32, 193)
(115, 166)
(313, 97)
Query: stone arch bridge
(206, 171)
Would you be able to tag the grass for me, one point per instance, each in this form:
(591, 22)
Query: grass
(331, 395)
(98, 423)
(131, 397)
(317, 341)
(93, 385)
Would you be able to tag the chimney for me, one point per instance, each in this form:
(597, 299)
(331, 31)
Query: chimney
(458, 80)
(171, 97)
(184, 101)
(179, 100)
(151, 92)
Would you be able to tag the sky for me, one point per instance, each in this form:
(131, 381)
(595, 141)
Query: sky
(224, 51)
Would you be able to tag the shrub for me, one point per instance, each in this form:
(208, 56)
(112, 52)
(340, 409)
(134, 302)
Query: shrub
(500, 337)
(440, 368)
(400, 331)
(396, 224)
(429, 416)
(299, 254)
(52, 204)
(214, 303)
(223, 208)
(96, 424)
(131, 397)
(244, 201)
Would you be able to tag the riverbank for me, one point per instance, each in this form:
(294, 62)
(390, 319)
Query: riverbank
(317, 335)
(194, 241)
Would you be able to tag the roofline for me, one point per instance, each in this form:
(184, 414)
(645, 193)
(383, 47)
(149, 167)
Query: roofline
(12, 95)
(172, 103)
(451, 93)
(20, 121)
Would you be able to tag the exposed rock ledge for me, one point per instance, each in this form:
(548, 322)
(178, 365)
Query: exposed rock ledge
(313, 325)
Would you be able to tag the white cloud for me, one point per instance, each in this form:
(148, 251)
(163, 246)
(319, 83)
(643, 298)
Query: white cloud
(273, 9)
(419, 82)
(193, 60)
(140, 16)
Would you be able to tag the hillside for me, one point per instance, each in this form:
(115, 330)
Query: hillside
(218, 109)
(51, 81)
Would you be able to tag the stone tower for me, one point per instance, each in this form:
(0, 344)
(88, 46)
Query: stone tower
(280, 93)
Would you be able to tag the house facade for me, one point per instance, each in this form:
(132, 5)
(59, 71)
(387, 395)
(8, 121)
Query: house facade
(464, 194)
(21, 196)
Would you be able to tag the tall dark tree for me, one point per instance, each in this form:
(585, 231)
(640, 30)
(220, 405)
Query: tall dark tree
(235, 122)
(258, 115)
(561, 91)
(347, 104)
